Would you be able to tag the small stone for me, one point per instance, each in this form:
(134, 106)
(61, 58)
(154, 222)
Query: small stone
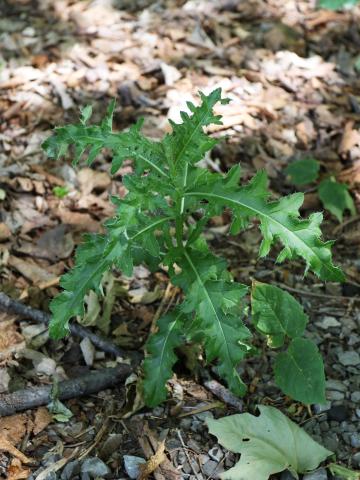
(70, 470)
(328, 322)
(203, 416)
(215, 453)
(356, 460)
(338, 413)
(335, 385)
(355, 440)
(286, 475)
(94, 467)
(181, 457)
(4, 380)
(349, 358)
(331, 442)
(355, 397)
(321, 407)
(88, 351)
(212, 469)
(45, 365)
(333, 395)
(132, 465)
(319, 474)
(324, 427)
(185, 423)
(111, 444)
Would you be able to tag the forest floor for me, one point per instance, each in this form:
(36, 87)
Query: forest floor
(292, 74)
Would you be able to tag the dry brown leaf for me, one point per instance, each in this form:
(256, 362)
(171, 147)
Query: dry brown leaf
(350, 138)
(11, 340)
(30, 270)
(154, 461)
(6, 446)
(14, 427)
(83, 221)
(322, 17)
(90, 179)
(5, 232)
(41, 420)
(150, 445)
(16, 470)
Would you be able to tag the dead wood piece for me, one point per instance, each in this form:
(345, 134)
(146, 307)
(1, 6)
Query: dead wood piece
(93, 382)
(10, 305)
(224, 394)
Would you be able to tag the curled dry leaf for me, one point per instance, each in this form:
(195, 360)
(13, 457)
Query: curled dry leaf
(90, 179)
(154, 461)
(7, 446)
(16, 471)
(41, 420)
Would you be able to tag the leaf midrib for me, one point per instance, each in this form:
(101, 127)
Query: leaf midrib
(169, 331)
(199, 279)
(261, 214)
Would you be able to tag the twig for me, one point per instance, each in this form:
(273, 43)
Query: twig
(93, 382)
(224, 394)
(316, 295)
(8, 304)
(346, 223)
(186, 453)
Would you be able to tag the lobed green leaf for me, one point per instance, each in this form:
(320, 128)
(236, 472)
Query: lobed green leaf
(161, 357)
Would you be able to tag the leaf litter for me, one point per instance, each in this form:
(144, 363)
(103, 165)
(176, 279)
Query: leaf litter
(285, 104)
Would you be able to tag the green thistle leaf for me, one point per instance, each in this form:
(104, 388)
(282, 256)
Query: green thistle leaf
(161, 357)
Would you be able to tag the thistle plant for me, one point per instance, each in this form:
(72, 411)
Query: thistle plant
(155, 225)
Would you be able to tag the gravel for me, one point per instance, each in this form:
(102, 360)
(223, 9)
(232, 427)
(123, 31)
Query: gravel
(319, 474)
(349, 358)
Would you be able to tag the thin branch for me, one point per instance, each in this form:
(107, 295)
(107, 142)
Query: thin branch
(10, 305)
(93, 382)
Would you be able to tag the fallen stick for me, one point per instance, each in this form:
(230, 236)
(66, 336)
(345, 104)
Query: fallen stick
(93, 382)
(10, 305)
(224, 394)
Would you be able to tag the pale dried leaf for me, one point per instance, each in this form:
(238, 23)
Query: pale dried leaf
(154, 461)
(41, 420)
(14, 427)
(6, 446)
(16, 470)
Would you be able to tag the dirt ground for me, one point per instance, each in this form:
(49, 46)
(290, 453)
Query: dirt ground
(292, 74)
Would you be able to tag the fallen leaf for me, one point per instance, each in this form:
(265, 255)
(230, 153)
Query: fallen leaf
(30, 270)
(14, 427)
(90, 179)
(154, 461)
(171, 73)
(5, 232)
(16, 470)
(150, 445)
(6, 446)
(41, 420)
(81, 221)
(268, 444)
(11, 341)
(350, 138)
